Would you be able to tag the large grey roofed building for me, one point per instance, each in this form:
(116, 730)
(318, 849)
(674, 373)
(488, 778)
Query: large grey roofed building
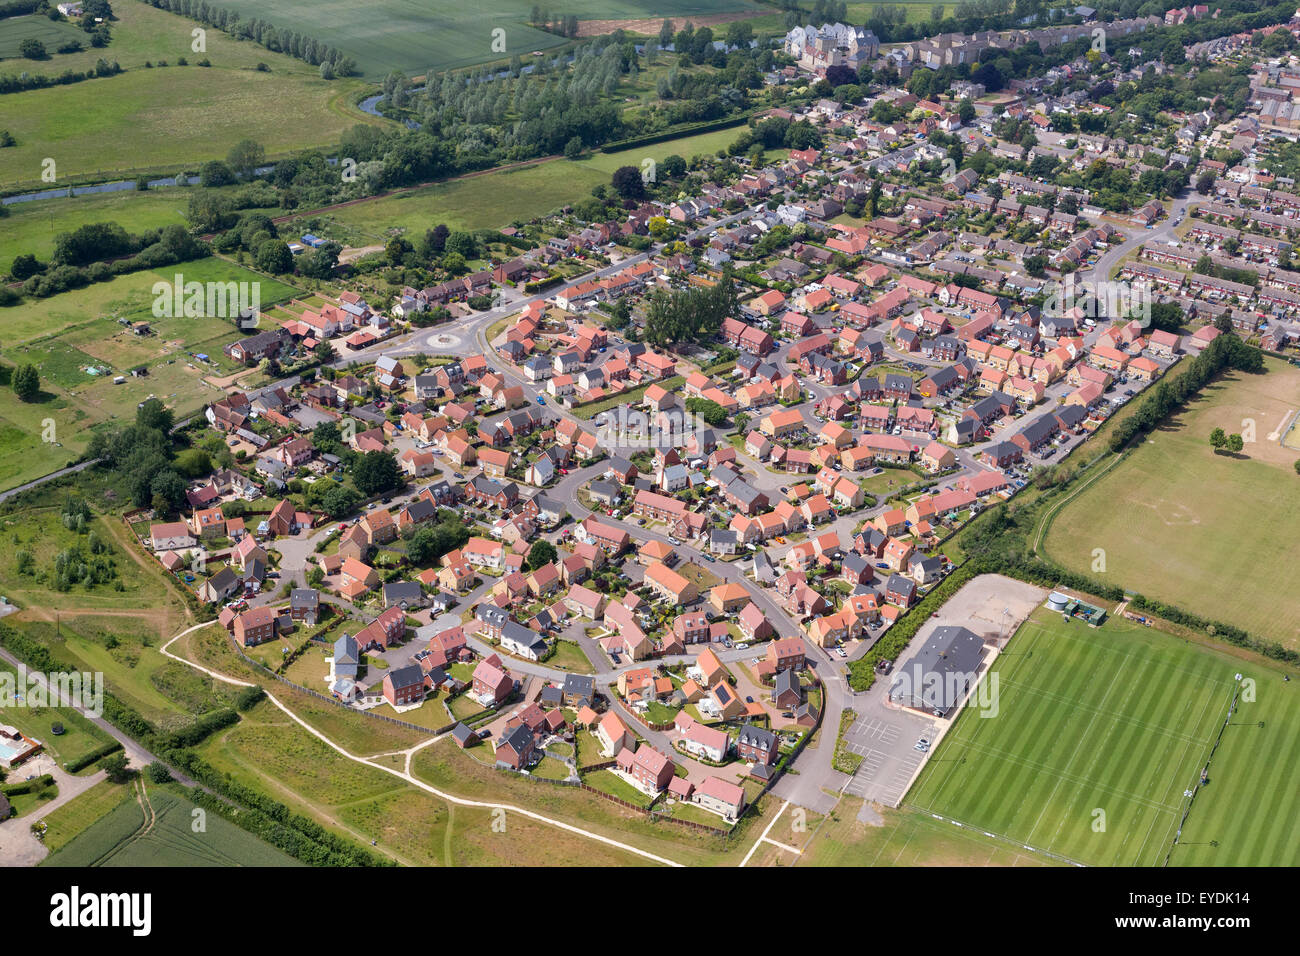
(939, 674)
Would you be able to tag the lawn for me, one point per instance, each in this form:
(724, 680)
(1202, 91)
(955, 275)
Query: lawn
(568, 656)
(79, 737)
(1097, 736)
(1213, 534)
(123, 837)
(388, 35)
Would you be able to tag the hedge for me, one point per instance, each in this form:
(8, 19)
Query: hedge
(270, 820)
(85, 760)
(27, 786)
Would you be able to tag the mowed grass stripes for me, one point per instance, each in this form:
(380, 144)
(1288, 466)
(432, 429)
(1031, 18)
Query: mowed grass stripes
(1098, 734)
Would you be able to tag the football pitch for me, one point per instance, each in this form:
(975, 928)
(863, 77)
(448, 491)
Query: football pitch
(1101, 734)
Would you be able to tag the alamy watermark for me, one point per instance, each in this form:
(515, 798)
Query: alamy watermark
(625, 427)
(1099, 300)
(200, 300)
(81, 690)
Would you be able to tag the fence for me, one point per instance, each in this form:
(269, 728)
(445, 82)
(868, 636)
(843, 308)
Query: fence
(262, 668)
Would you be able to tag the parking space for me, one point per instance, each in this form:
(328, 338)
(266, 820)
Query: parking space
(886, 741)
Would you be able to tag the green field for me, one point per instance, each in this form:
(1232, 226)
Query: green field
(385, 35)
(1097, 736)
(128, 836)
(14, 30)
(69, 333)
(167, 117)
(1212, 534)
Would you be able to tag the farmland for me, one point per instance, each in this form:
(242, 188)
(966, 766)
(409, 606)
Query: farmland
(1097, 736)
(68, 334)
(156, 830)
(1210, 533)
(177, 116)
(35, 27)
(396, 35)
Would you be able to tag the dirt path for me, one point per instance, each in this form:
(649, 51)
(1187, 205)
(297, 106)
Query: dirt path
(406, 774)
(649, 26)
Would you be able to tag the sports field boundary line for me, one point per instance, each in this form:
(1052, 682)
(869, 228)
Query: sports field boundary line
(1045, 523)
(1196, 786)
(996, 836)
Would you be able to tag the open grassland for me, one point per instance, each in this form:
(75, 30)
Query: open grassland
(68, 335)
(902, 837)
(1213, 534)
(31, 227)
(488, 201)
(156, 830)
(385, 35)
(267, 751)
(701, 144)
(1099, 733)
(14, 30)
(143, 119)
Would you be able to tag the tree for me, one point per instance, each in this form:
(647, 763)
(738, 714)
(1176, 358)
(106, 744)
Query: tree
(324, 352)
(1218, 439)
(26, 382)
(1205, 183)
(540, 554)
(114, 765)
(152, 413)
(375, 472)
(245, 156)
(33, 50)
(573, 148)
(273, 256)
(158, 773)
(627, 182)
(1235, 443)
(339, 501)
(194, 463)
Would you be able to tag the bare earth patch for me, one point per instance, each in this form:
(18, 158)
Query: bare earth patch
(650, 26)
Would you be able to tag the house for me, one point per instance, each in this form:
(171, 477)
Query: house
(613, 734)
(757, 745)
(515, 748)
(787, 653)
(404, 686)
(718, 796)
(304, 605)
(578, 690)
(670, 585)
(646, 768)
(492, 685)
(255, 626)
(787, 693)
(700, 740)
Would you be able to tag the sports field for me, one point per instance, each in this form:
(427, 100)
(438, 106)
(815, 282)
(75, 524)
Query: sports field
(1098, 733)
(1213, 534)
(412, 36)
(1122, 719)
(156, 829)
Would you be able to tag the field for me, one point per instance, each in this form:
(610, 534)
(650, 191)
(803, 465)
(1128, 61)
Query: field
(160, 834)
(32, 226)
(701, 144)
(479, 202)
(1098, 735)
(33, 27)
(902, 838)
(66, 334)
(1212, 534)
(176, 116)
(399, 35)
(70, 820)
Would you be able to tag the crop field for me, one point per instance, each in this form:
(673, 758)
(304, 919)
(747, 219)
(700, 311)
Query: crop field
(68, 335)
(415, 37)
(14, 30)
(160, 833)
(1098, 737)
(1213, 534)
